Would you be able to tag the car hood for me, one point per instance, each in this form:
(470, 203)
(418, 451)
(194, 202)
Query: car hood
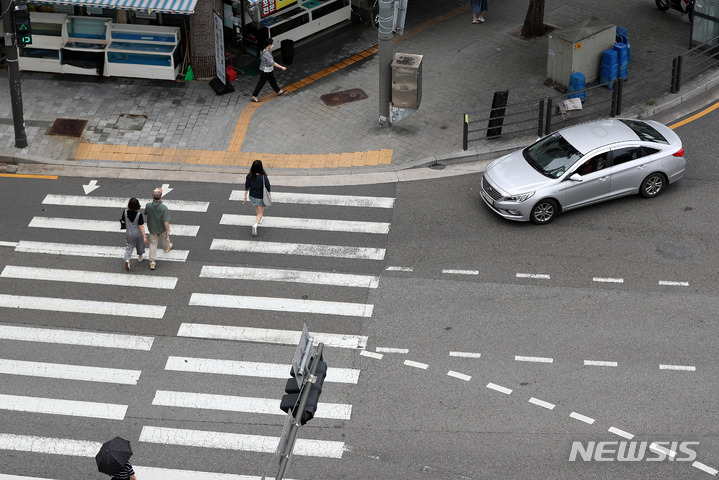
(514, 175)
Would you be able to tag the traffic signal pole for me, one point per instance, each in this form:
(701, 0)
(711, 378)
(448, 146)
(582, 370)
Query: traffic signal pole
(385, 43)
(289, 446)
(6, 7)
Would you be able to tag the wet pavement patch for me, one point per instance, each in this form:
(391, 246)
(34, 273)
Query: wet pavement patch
(345, 96)
(129, 121)
(68, 127)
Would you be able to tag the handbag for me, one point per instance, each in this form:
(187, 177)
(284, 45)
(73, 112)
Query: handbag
(266, 198)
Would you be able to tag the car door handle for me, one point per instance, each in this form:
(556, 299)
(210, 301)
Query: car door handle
(642, 166)
(601, 179)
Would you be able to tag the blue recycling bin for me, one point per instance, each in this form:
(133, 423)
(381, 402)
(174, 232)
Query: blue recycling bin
(577, 85)
(623, 37)
(609, 69)
(622, 59)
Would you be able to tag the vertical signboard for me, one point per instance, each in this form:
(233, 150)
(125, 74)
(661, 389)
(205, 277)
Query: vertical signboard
(219, 49)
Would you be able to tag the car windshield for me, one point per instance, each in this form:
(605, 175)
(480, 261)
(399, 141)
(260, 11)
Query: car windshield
(552, 155)
(645, 131)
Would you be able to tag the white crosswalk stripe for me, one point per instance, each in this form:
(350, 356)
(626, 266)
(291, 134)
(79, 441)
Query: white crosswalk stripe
(55, 406)
(101, 225)
(304, 249)
(56, 446)
(101, 251)
(237, 441)
(251, 369)
(83, 276)
(284, 275)
(267, 335)
(231, 403)
(323, 199)
(308, 224)
(74, 337)
(281, 304)
(81, 306)
(69, 372)
(120, 203)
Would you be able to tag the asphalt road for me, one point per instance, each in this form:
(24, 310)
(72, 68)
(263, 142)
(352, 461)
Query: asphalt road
(486, 349)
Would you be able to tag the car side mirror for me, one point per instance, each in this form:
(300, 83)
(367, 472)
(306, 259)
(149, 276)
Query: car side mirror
(575, 177)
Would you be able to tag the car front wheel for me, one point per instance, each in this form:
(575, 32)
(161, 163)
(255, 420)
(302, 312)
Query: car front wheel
(653, 185)
(544, 211)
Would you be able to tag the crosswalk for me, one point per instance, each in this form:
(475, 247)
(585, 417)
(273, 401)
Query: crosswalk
(46, 277)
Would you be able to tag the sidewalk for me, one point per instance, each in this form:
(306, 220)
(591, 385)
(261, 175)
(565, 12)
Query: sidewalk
(184, 126)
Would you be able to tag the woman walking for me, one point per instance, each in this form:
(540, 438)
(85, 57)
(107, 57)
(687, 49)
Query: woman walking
(478, 9)
(255, 184)
(134, 226)
(267, 65)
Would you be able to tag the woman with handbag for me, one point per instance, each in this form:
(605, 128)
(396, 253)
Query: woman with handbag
(257, 186)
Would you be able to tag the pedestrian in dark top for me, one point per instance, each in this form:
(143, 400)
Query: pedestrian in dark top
(127, 473)
(255, 183)
(478, 9)
(158, 223)
(134, 226)
(267, 65)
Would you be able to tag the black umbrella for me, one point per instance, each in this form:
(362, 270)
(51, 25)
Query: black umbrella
(113, 455)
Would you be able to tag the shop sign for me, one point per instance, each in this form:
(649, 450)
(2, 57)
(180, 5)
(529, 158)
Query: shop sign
(268, 7)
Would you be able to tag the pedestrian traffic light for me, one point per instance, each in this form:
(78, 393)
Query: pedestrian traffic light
(23, 32)
(292, 399)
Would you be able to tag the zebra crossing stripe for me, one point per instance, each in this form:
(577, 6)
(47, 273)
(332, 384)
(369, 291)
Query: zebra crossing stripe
(73, 337)
(306, 249)
(170, 474)
(121, 202)
(101, 225)
(56, 446)
(322, 199)
(308, 224)
(281, 304)
(55, 406)
(82, 276)
(17, 477)
(266, 335)
(231, 403)
(69, 372)
(295, 276)
(82, 306)
(101, 251)
(251, 369)
(237, 441)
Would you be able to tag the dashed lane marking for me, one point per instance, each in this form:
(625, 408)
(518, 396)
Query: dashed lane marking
(607, 280)
(366, 353)
(599, 363)
(581, 418)
(621, 433)
(69, 372)
(414, 364)
(543, 276)
(499, 388)
(519, 358)
(392, 350)
(673, 284)
(296, 198)
(705, 468)
(399, 269)
(56, 446)
(461, 272)
(685, 368)
(82, 224)
(460, 376)
(465, 354)
(305, 249)
(542, 403)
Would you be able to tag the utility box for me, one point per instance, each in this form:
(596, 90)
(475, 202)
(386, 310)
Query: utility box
(406, 80)
(578, 48)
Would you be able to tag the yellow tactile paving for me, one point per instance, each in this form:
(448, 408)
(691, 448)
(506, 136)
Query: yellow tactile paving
(233, 156)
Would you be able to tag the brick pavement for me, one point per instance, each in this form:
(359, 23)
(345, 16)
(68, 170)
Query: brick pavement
(464, 63)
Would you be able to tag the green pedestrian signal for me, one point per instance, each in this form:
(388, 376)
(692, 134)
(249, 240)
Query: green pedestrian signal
(23, 29)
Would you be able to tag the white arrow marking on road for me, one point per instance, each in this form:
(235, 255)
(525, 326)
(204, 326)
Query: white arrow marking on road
(90, 186)
(166, 189)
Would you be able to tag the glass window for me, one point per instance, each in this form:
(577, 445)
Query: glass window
(623, 155)
(645, 131)
(598, 162)
(552, 155)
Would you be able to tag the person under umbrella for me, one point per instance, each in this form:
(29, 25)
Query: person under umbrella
(113, 459)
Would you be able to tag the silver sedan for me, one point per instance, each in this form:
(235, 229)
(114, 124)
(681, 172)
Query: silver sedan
(582, 165)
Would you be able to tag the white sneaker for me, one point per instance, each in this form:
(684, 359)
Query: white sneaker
(254, 230)
(139, 259)
(262, 219)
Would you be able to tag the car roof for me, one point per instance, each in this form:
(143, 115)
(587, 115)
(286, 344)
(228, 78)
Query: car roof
(588, 136)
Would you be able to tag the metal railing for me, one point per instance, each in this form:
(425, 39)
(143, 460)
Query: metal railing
(522, 117)
(693, 62)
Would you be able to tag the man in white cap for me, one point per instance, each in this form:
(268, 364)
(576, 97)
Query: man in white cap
(158, 223)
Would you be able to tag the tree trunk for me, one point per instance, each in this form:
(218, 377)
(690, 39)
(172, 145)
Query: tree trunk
(534, 21)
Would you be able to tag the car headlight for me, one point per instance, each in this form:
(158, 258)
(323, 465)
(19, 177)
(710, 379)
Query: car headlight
(519, 198)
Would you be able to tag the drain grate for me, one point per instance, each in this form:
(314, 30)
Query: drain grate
(130, 121)
(345, 96)
(68, 127)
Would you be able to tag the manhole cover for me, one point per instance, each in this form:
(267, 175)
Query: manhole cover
(345, 96)
(129, 121)
(68, 127)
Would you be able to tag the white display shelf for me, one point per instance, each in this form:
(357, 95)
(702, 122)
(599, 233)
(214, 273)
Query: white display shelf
(43, 54)
(143, 51)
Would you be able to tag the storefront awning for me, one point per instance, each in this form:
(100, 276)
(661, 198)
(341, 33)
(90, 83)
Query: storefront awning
(184, 7)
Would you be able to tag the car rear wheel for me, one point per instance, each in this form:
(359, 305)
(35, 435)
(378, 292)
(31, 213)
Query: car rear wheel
(544, 211)
(653, 185)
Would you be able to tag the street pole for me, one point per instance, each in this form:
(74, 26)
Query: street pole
(385, 34)
(290, 445)
(13, 73)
